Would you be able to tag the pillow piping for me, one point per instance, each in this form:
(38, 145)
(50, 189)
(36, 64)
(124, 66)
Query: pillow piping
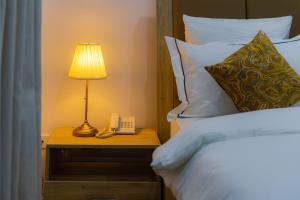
(183, 72)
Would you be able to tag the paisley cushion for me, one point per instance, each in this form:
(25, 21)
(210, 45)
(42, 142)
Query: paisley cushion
(257, 77)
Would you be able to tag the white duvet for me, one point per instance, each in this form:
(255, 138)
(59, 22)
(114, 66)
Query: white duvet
(246, 156)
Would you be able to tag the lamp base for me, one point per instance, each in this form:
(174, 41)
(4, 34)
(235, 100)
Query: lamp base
(85, 130)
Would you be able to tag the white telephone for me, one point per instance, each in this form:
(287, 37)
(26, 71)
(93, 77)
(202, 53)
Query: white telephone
(118, 126)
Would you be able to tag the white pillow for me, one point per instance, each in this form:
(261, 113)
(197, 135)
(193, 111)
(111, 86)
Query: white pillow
(200, 94)
(199, 30)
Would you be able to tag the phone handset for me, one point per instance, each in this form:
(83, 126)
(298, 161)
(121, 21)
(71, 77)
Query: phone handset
(114, 122)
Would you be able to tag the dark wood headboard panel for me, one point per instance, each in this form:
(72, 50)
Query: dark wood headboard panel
(275, 8)
(207, 8)
(169, 16)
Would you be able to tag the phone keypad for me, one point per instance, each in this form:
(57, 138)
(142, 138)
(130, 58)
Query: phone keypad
(126, 124)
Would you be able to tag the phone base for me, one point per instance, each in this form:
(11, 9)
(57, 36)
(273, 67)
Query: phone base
(85, 130)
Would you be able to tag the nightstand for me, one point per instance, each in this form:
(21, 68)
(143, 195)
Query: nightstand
(117, 168)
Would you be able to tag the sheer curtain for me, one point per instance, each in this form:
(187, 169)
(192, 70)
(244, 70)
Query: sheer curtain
(20, 87)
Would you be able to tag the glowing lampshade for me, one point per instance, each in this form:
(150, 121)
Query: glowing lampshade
(88, 63)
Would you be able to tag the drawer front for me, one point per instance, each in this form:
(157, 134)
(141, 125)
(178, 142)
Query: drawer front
(100, 164)
(86, 190)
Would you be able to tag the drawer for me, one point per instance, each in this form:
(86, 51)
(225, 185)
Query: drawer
(68, 164)
(89, 190)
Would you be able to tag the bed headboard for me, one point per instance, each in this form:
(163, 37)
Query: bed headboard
(169, 16)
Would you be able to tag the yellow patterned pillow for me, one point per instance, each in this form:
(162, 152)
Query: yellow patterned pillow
(257, 77)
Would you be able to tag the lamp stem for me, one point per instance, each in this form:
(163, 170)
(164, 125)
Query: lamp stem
(86, 99)
(85, 130)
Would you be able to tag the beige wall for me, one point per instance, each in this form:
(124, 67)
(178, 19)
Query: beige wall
(126, 31)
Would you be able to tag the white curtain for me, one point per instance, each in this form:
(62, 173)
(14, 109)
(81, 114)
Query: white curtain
(20, 104)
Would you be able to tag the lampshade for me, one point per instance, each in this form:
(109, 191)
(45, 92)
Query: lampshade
(88, 63)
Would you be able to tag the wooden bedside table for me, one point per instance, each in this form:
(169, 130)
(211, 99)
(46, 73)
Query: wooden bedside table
(117, 168)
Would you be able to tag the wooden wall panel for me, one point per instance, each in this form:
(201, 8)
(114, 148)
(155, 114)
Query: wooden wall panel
(165, 74)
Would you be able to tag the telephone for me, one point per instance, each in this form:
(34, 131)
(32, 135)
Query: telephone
(118, 126)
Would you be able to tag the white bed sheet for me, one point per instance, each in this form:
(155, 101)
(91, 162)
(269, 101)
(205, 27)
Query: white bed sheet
(263, 168)
(246, 156)
(179, 124)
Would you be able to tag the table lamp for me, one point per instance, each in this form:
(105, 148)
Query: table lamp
(88, 64)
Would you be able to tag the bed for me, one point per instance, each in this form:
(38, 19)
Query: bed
(197, 172)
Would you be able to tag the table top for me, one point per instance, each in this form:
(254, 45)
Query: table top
(144, 138)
